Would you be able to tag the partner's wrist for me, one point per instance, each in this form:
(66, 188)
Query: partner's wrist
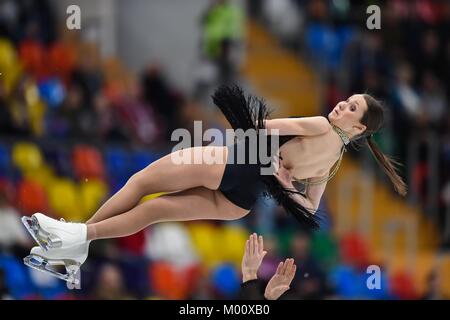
(269, 297)
(249, 276)
(250, 270)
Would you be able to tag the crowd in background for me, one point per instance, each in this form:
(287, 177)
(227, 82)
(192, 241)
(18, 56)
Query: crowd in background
(59, 99)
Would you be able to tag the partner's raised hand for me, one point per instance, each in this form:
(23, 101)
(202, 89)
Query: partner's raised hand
(281, 280)
(253, 256)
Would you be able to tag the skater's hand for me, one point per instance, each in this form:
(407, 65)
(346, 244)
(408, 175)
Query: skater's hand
(281, 280)
(253, 256)
(283, 175)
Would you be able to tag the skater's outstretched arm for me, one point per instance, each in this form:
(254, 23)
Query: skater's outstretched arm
(307, 126)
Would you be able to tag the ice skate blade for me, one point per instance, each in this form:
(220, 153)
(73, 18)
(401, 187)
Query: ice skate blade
(41, 264)
(44, 239)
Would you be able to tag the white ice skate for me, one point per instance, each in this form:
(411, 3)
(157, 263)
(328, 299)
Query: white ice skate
(52, 234)
(48, 261)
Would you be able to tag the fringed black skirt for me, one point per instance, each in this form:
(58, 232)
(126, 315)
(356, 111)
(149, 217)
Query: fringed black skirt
(242, 184)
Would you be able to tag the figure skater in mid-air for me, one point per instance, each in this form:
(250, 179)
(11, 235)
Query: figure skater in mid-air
(310, 151)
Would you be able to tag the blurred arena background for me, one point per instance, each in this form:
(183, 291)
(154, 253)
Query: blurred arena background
(82, 110)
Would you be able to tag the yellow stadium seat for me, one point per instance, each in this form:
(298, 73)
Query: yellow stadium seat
(232, 243)
(8, 55)
(206, 241)
(27, 156)
(64, 200)
(36, 108)
(92, 194)
(45, 176)
(9, 64)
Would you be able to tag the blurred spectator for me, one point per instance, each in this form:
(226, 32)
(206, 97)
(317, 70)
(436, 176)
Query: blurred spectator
(18, 108)
(27, 19)
(110, 285)
(87, 75)
(222, 33)
(73, 119)
(4, 294)
(165, 102)
(286, 19)
(12, 232)
(433, 99)
(405, 96)
(6, 122)
(433, 285)
(138, 118)
(427, 57)
(107, 122)
(310, 281)
(364, 58)
(406, 105)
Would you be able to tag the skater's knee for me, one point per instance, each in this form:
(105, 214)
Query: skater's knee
(138, 181)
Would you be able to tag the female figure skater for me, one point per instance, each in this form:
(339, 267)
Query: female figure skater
(310, 151)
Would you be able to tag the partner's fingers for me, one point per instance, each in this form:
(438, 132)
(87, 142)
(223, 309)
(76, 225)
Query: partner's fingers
(290, 264)
(260, 244)
(279, 268)
(287, 265)
(255, 243)
(292, 271)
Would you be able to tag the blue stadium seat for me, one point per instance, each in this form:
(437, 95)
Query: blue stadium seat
(17, 279)
(5, 161)
(117, 162)
(141, 159)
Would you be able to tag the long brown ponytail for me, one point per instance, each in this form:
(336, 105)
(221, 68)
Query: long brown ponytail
(389, 165)
(373, 120)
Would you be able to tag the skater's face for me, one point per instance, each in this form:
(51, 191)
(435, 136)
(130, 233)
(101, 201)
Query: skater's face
(347, 115)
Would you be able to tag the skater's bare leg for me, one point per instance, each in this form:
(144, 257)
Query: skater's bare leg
(164, 175)
(193, 204)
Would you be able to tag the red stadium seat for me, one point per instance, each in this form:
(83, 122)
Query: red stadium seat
(402, 286)
(167, 282)
(87, 162)
(354, 250)
(31, 197)
(134, 243)
(7, 189)
(32, 54)
(62, 59)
